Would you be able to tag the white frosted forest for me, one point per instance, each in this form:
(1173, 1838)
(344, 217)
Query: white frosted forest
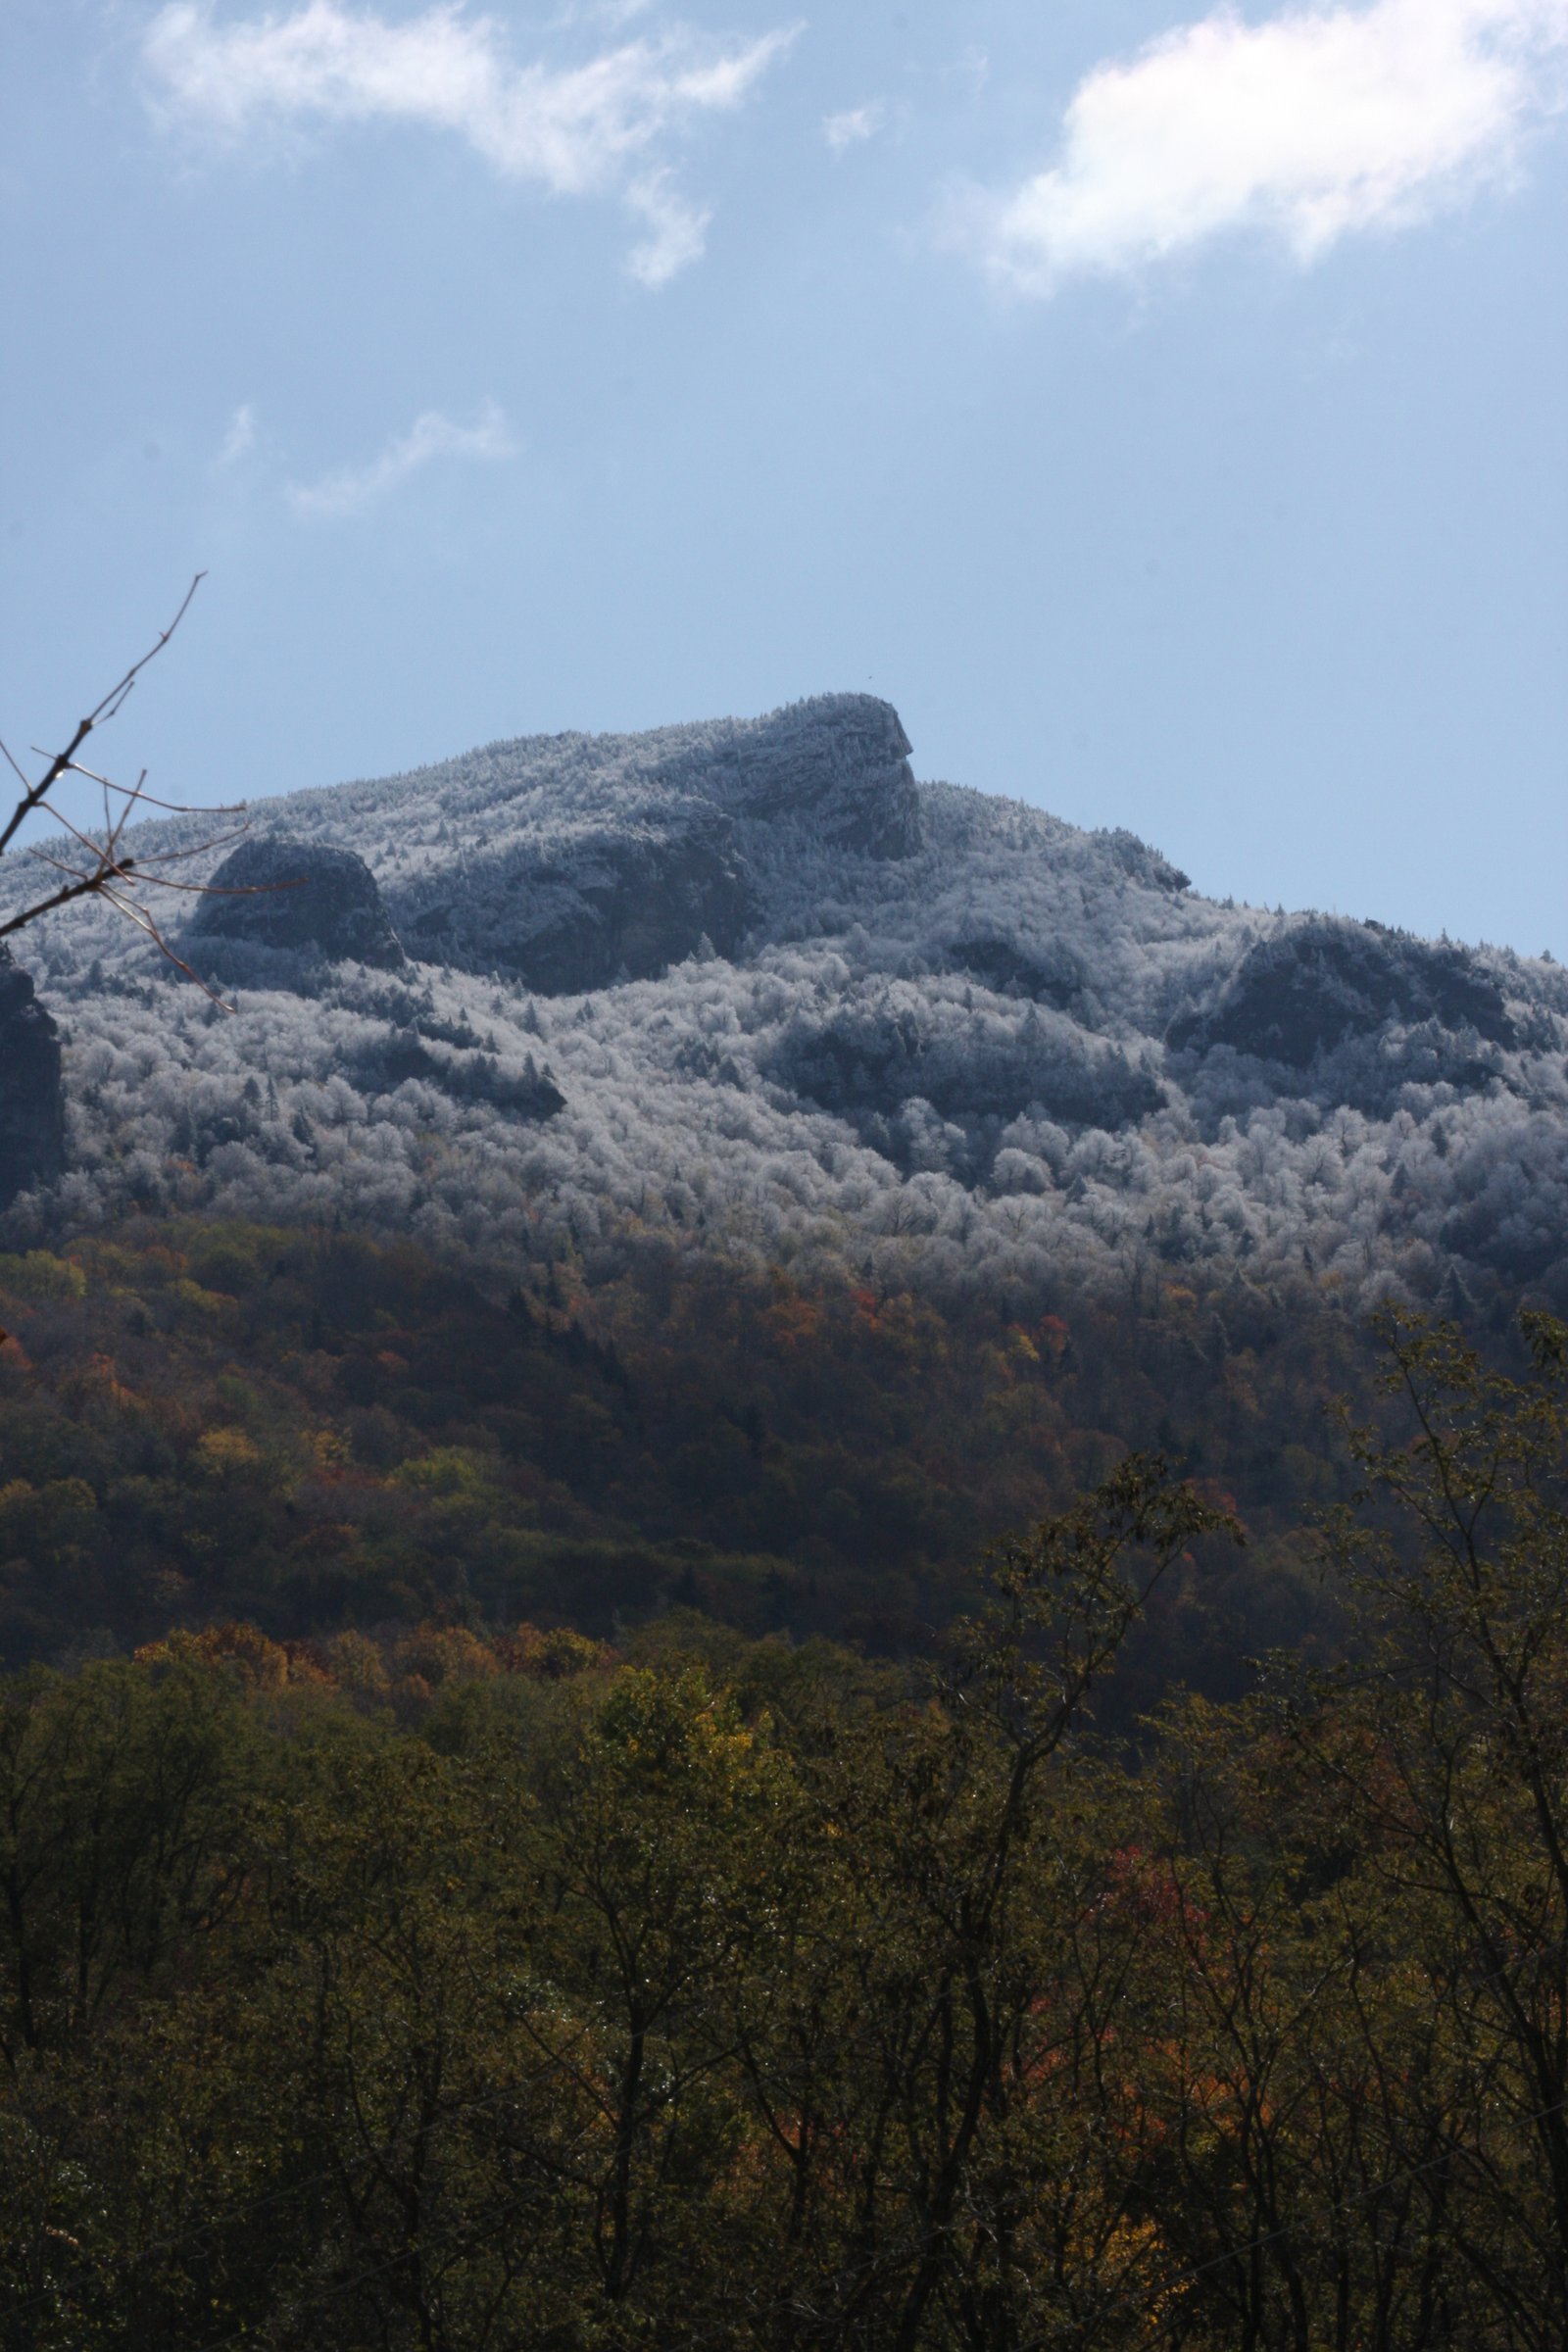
(747, 987)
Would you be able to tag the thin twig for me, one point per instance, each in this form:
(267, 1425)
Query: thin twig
(60, 898)
(114, 700)
(136, 792)
(107, 872)
(143, 921)
(111, 874)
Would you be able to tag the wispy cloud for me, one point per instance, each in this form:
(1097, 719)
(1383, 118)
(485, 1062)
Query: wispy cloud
(677, 232)
(1314, 125)
(239, 440)
(854, 126)
(613, 14)
(586, 129)
(431, 435)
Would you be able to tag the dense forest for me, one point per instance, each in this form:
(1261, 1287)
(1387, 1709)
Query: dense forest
(471, 1990)
(203, 1421)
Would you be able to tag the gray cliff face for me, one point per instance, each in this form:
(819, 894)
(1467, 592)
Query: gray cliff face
(880, 1063)
(568, 863)
(837, 766)
(299, 898)
(32, 1114)
(641, 850)
(1295, 999)
(614, 904)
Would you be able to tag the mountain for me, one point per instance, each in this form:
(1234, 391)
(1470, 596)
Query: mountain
(749, 987)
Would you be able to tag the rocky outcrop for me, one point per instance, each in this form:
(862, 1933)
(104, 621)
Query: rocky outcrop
(1296, 997)
(870, 1060)
(838, 765)
(619, 882)
(609, 905)
(32, 1110)
(570, 863)
(299, 898)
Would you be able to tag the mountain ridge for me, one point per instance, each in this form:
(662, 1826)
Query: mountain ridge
(747, 984)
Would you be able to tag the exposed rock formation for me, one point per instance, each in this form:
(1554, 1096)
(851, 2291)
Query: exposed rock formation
(872, 1058)
(838, 764)
(32, 1116)
(610, 905)
(1294, 998)
(638, 850)
(300, 899)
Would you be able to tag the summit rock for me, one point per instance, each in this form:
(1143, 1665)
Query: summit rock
(838, 764)
(299, 898)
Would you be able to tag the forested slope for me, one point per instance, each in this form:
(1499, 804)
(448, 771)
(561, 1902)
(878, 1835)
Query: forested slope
(749, 988)
(312, 1432)
(464, 1994)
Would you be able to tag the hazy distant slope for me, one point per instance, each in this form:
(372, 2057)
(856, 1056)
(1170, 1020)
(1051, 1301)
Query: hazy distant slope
(747, 985)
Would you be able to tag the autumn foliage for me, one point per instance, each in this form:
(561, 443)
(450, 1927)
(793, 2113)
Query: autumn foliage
(315, 1434)
(436, 1987)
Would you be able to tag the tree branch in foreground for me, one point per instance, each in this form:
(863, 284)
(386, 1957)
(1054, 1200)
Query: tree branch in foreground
(105, 870)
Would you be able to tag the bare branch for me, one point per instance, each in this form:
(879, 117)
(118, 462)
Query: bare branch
(204, 848)
(139, 915)
(144, 867)
(137, 792)
(84, 887)
(61, 865)
(205, 890)
(107, 873)
(35, 795)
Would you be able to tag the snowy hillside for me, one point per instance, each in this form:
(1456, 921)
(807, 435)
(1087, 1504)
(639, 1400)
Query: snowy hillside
(747, 985)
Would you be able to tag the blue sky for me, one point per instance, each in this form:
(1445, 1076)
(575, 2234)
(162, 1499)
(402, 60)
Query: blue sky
(1165, 410)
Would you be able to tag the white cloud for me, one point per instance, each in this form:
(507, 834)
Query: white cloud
(431, 435)
(612, 13)
(853, 125)
(677, 230)
(239, 440)
(1320, 122)
(575, 129)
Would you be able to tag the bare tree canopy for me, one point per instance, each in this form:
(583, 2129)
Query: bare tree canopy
(102, 867)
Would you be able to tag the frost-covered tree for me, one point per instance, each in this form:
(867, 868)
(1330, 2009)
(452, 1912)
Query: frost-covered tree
(1011, 1056)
